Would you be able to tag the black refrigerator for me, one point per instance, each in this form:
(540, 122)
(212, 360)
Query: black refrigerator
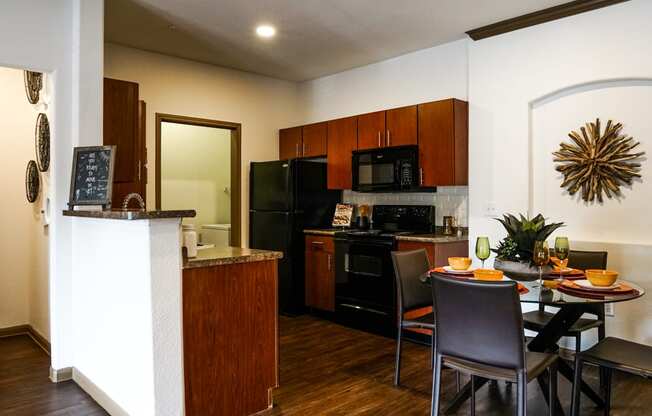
(286, 197)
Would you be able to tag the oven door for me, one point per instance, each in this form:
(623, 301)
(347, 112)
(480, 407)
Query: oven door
(364, 277)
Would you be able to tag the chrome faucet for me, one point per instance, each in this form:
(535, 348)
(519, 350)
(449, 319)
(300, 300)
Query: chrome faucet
(137, 197)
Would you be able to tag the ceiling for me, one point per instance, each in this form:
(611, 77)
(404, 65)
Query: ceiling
(315, 37)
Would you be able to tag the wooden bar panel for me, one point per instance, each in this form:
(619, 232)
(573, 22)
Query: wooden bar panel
(230, 336)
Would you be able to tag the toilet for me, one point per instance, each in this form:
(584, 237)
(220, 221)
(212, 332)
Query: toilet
(217, 234)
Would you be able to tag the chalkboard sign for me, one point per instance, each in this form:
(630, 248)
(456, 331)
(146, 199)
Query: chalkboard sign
(91, 182)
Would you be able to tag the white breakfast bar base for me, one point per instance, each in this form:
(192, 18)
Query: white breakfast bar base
(127, 314)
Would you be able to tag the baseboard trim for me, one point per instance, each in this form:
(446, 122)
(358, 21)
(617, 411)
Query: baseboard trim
(97, 394)
(39, 339)
(61, 374)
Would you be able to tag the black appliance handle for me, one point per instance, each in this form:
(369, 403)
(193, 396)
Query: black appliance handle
(361, 308)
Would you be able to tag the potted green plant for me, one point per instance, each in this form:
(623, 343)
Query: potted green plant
(514, 252)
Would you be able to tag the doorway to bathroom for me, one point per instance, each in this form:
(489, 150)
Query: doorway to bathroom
(198, 167)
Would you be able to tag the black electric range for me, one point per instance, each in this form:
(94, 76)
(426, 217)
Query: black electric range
(365, 293)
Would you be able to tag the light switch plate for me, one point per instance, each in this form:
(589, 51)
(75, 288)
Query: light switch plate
(610, 309)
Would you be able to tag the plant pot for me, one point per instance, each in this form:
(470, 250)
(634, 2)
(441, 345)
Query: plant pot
(520, 270)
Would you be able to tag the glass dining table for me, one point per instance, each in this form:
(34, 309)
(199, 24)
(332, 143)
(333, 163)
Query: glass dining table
(571, 306)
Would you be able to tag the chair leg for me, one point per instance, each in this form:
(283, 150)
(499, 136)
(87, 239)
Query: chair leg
(521, 381)
(578, 343)
(397, 364)
(432, 351)
(577, 380)
(607, 390)
(436, 386)
(552, 389)
(472, 395)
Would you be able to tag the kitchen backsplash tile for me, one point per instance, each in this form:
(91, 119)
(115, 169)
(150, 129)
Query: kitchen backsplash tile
(448, 200)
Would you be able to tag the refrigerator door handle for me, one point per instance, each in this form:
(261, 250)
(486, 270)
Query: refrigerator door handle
(346, 262)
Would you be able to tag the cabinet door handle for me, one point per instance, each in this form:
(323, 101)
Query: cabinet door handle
(389, 140)
(296, 149)
(318, 243)
(379, 138)
(329, 263)
(303, 149)
(420, 176)
(139, 169)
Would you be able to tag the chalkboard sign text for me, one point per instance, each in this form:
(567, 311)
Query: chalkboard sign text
(91, 181)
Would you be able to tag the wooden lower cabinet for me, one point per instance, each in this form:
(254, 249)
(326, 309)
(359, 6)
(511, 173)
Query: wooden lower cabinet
(230, 338)
(438, 253)
(320, 272)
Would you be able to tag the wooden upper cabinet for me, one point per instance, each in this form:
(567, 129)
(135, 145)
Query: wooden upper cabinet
(315, 138)
(342, 140)
(443, 143)
(289, 143)
(371, 130)
(401, 126)
(124, 127)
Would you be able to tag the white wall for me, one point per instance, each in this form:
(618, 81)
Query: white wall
(63, 38)
(128, 343)
(181, 87)
(427, 75)
(527, 90)
(23, 242)
(196, 172)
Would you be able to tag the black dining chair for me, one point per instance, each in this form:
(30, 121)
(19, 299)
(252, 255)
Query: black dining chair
(412, 294)
(536, 320)
(480, 333)
(612, 354)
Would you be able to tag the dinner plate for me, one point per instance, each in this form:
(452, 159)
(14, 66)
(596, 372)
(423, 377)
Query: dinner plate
(449, 269)
(585, 284)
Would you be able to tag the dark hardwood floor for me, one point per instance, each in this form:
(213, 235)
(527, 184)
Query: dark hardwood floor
(26, 390)
(327, 369)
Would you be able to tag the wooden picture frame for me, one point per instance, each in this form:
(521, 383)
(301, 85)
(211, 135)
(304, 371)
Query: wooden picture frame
(105, 202)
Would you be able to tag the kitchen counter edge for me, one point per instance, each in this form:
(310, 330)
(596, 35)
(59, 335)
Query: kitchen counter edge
(130, 214)
(220, 256)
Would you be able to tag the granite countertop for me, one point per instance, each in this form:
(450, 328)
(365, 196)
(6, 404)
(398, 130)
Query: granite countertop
(218, 256)
(119, 214)
(432, 238)
(321, 231)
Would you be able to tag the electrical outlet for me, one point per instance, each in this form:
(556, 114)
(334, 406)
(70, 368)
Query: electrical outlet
(610, 309)
(490, 210)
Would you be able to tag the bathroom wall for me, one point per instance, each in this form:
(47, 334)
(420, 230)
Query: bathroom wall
(23, 241)
(448, 200)
(196, 172)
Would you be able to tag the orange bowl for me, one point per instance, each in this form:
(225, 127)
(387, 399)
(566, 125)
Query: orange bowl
(488, 274)
(459, 263)
(601, 277)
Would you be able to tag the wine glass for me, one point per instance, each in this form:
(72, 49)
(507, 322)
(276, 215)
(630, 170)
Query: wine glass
(482, 250)
(561, 251)
(540, 257)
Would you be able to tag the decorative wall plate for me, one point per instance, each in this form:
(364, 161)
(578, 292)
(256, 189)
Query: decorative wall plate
(42, 142)
(32, 181)
(598, 162)
(33, 85)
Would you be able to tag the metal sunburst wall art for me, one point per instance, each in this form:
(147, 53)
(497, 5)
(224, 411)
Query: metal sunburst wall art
(33, 86)
(32, 181)
(42, 142)
(597, 161)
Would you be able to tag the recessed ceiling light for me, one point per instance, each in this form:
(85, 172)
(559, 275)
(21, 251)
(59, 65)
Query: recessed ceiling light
(265, 31)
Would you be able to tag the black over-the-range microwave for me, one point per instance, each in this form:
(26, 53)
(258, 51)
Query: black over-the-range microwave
(387, 169)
